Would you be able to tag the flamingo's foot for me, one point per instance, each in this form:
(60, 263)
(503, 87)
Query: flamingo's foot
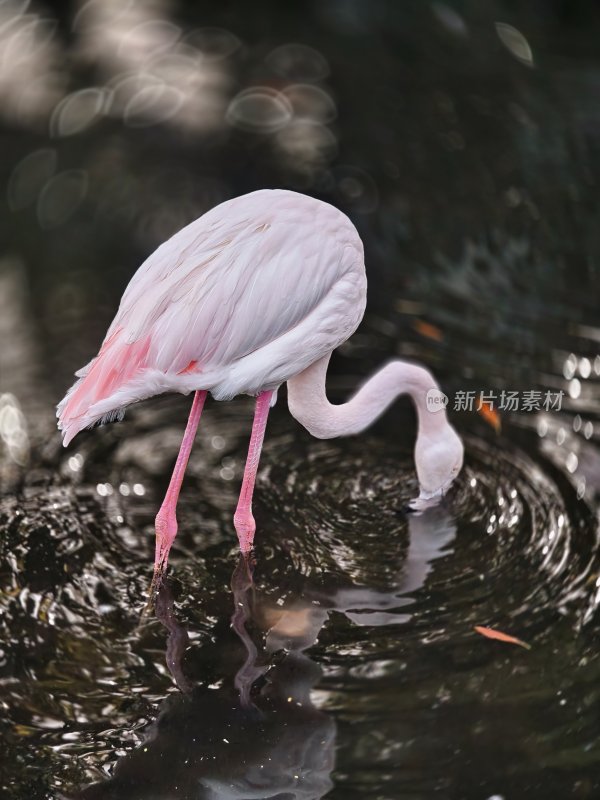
(245, 527)
(166, 531)
(241, 579)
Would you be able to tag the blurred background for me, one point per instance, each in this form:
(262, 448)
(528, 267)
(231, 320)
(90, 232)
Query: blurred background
(463, 140)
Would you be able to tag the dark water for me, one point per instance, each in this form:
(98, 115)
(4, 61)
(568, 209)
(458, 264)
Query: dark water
(343, 662)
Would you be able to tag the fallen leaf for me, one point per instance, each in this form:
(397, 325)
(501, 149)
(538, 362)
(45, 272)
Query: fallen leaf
(490, 415)
(428, 330)
(490, 633)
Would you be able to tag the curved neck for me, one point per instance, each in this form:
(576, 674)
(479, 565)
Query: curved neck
(308, 401)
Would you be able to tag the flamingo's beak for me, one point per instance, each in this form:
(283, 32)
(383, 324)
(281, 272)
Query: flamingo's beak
(430, 499)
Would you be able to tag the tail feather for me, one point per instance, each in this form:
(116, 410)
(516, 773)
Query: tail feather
(117, 364)
(81, 373)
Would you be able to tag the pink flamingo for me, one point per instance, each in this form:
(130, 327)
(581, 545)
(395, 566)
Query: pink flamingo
(258, 291)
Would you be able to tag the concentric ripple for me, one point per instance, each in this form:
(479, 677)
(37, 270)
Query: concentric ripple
(503, 546)
(384, 600)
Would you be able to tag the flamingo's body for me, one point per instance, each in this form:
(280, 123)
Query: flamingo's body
(237, 302)
(258, 291)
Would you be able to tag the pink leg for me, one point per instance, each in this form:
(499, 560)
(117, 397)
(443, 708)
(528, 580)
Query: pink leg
(166, 521)
(243, 519)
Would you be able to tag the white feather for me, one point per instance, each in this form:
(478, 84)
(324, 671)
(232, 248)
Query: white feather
(252, 293)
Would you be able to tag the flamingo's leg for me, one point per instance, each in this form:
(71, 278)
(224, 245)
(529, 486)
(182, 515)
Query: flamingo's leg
(243, 519)
(166, 521)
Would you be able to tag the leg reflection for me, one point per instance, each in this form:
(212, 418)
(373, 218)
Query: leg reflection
(258, 734)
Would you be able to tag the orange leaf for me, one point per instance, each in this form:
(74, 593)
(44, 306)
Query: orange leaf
(490, 415)
(428, 330)
(490, 633)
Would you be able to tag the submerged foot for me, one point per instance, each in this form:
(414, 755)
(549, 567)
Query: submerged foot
(166, 531)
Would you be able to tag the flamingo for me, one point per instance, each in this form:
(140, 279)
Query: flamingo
(257, 292)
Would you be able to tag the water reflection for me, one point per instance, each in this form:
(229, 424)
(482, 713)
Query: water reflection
(258, 733)
(383, 603)
(238, 740)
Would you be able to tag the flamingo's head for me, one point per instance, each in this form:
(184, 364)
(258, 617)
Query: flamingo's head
(438, 459)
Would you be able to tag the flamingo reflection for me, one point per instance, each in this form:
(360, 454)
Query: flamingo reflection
(259, 734)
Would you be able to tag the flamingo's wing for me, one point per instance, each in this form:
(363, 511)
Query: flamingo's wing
(228, 284)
